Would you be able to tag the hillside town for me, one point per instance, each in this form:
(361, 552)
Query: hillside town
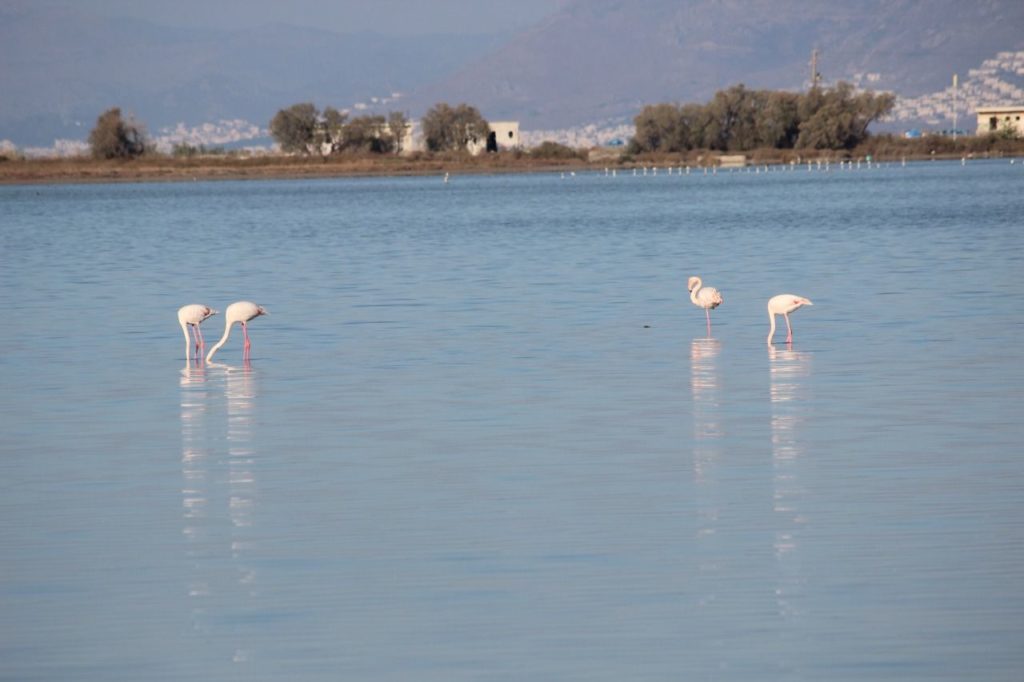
(991, 84)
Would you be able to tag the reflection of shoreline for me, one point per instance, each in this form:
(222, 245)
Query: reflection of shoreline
(207, 498)
(789, 395)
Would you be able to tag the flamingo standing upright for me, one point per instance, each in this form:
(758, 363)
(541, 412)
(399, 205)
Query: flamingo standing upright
(784, 304)
(243, 312)
(704, 297)
(192, 315)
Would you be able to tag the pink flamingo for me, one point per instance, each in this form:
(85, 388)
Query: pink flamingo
(704, 297)
(192, 315)
(243, 312)
(784, 304)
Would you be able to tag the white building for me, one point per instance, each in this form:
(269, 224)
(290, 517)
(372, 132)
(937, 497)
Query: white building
(997, 119)
(504, 136)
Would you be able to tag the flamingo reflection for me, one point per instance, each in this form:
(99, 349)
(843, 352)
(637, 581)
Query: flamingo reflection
(790, 395)
(209, 497)
(707, 428)
(195, 405)
(704, 388)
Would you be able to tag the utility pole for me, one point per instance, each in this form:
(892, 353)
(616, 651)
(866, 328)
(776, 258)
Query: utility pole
(815, 76)
(954, 107)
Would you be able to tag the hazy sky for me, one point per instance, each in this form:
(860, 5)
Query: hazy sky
(384, 16)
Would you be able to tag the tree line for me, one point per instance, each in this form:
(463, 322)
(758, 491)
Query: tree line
(302, 128)
(739, 119)
(734, 120)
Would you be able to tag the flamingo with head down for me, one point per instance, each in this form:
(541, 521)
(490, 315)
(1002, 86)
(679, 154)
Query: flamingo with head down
(192, 315)
(784, 304)
(241, 312)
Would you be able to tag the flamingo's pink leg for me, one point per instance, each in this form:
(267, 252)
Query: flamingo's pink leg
(707, 314)
(789, 329)
(248, 344)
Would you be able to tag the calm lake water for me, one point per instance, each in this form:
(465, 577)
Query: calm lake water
(485, 436)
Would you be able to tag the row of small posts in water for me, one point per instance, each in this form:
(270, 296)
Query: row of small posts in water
(759, 168)
(816, 165)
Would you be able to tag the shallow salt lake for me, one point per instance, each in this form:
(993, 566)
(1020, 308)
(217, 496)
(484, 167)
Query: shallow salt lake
(485, 435)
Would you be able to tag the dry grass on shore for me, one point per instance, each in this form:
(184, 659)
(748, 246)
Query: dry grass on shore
(230, 167)
(160, 167)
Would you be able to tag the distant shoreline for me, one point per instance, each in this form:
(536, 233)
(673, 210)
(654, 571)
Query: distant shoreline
(217, 167)
(166, 169)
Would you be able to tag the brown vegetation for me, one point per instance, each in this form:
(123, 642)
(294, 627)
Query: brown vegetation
(230, 167)
(549, 157)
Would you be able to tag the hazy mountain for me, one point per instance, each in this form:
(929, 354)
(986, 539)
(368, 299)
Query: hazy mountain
(594, 60)
(604, 59)
(62, 67)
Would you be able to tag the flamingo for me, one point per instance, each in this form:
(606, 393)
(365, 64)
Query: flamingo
(784, 304)
(704, 297)
(192, 315)
(240, 311)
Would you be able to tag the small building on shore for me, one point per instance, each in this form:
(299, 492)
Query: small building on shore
(504, 136)
(997, 119)
(732, 161)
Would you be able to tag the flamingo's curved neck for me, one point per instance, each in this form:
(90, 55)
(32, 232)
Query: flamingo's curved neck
(227, 332)
(771, 331)
(696, 288)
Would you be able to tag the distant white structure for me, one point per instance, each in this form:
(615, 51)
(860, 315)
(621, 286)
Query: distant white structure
(408, 144)
(504, 136)
(998, 119)
(732, 161)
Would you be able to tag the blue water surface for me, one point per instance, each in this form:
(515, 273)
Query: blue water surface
(484, 434)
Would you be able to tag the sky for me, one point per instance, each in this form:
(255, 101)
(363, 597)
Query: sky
(393, 17)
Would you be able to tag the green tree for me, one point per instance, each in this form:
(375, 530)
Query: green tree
(115, 137)
(694, 124)
(778, 124)
(366, 134)
(296, 128)
(659, 128)
(331, 129)
(732, 118)
(737, 119)
(839, 119)
(447, 128)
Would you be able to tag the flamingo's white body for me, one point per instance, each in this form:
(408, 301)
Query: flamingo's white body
(704, 297)
(784, 304)
(242, 312)
(192, 315)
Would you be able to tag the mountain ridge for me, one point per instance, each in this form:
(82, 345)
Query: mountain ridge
(591, 61)
(693, 48)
